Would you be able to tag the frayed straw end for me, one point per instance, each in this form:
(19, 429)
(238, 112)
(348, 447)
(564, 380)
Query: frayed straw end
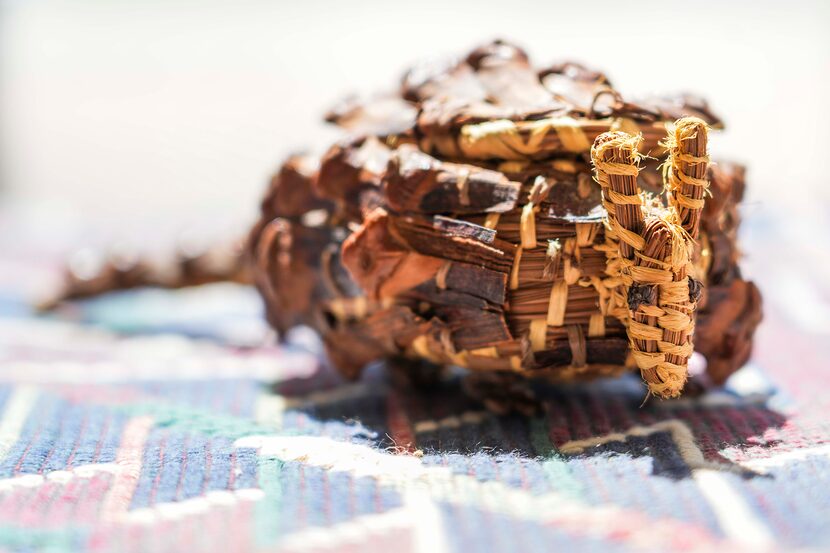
(628, 144)
(685, 128)
(668, 389)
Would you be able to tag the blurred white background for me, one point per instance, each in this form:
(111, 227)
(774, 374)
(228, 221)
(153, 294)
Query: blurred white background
(133, 117)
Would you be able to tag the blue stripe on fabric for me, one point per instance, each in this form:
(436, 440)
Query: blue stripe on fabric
(221, 450)
(72, 422)
(365, 495)
(315, 495)
(468, 528)
(171, 470)
(112, 438)
(43, 442)
(96, 419)
(194, 475)
(150, 467)
(293, 497)
(246, 468)
(339, 483)
(390, 498)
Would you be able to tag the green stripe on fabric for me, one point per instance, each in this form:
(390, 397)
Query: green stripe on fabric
(267, 511)
(554, 465)
(195, 420)
(64, 540)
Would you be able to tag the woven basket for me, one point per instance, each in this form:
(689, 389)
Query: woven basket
(503, 218)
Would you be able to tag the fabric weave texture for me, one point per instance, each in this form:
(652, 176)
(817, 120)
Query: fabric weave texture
(147, 421)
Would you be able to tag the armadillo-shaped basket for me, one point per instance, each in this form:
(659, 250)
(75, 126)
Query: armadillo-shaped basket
(504, 218)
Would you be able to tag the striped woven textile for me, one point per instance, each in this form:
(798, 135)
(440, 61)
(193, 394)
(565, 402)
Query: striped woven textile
(157, 421)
